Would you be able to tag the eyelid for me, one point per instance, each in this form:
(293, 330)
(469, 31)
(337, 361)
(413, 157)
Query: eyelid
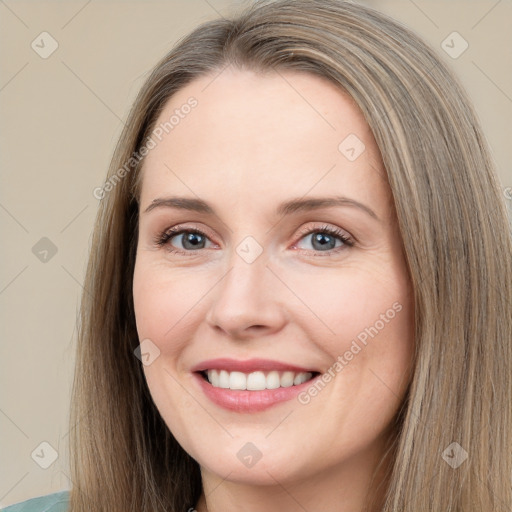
(324, 227)
(191, 227)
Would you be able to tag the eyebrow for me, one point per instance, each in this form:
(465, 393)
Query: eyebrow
(286, 208)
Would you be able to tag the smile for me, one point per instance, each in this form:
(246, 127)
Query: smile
(255, 381)
(253, 385)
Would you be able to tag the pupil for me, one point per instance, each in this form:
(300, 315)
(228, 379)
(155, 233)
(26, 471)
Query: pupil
(324, 240)
(194, 239)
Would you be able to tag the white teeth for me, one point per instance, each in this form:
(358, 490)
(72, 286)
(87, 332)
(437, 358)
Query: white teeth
(224, 379)
(256, 381)
(273, 380)
(237, 380)
(299, 379)
(287, 379)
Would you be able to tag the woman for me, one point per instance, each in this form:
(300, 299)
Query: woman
(299, 290)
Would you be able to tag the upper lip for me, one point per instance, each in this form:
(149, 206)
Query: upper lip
(248, 366)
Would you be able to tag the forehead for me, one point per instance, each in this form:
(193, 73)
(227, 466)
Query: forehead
(273, 133)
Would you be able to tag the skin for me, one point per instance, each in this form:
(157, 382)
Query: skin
(252, 142)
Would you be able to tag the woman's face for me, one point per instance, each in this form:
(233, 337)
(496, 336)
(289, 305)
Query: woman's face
(297, 272)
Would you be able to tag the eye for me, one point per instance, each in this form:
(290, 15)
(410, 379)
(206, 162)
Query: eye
(326, 239)
(189, 239)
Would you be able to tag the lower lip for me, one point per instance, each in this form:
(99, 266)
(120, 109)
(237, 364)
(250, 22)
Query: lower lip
(250, 401)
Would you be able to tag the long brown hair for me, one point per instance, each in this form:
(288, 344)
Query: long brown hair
(456, 238)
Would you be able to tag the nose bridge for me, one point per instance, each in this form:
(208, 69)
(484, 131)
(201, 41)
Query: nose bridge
(245, 297)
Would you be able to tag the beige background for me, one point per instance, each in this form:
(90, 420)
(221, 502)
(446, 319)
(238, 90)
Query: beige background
(60, 118)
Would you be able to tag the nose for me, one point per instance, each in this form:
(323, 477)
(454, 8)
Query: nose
(246, 303)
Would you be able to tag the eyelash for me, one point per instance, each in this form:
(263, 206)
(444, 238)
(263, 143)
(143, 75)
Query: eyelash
(163, 238)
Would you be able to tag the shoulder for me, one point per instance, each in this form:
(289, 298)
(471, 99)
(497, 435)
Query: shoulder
(56, 502)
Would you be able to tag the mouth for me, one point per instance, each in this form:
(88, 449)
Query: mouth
(252, 391)
(253, 385)
(257, 380)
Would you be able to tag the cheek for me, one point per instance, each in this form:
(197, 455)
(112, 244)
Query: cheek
(165, 301)
(364, 320)
(351, 303)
